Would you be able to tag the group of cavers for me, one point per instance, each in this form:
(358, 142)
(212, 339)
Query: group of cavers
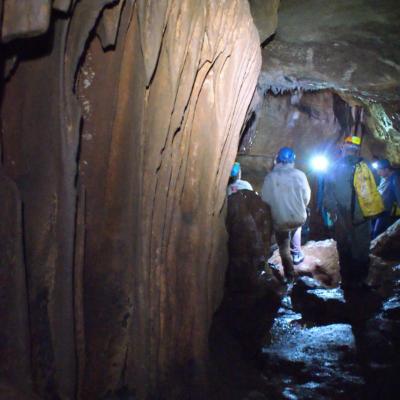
(360, 204)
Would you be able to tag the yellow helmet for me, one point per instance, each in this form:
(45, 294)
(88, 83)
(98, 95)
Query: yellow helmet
(355, 140)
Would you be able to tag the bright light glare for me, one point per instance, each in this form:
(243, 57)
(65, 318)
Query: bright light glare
(375, 165)
(319, 163)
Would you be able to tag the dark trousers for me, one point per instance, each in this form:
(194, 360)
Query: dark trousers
(283, 239)
(381, 223)
(353, 243)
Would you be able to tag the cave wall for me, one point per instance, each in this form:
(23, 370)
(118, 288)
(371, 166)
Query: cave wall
(383, 121)
(265, 16)
(119, 127)
(350, 48)
(304, 121)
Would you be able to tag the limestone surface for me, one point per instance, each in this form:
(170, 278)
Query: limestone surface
(119, 128)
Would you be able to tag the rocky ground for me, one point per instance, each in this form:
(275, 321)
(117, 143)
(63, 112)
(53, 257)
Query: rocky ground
(321, 262)
(330, 344)
(320, 342)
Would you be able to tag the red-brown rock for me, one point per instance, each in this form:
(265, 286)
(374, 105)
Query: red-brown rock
(321, 262)
(386, 245)
(121, 159)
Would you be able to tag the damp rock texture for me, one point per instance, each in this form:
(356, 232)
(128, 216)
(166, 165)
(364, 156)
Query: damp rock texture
(350, 48)
(329, 343)
(320, 262)
(386, 245)
(265, 15)
(249, 229)
(347, 47)
(252, 294)
(304, 121)
(119, 128)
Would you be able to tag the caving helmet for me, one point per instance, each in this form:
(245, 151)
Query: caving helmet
(235, 170)
(352, 140)
(285, 155)
(351, 143)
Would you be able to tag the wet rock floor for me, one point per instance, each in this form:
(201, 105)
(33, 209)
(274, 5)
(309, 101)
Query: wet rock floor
(310, 362)
(324, 344)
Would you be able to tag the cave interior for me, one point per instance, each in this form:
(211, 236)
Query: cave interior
(125, 270)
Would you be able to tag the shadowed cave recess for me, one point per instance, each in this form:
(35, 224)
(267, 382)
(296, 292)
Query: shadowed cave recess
(125, 271)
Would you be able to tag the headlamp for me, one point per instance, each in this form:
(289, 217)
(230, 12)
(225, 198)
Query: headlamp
(319, 163)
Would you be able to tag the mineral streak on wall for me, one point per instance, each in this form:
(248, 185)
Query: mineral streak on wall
(120, 121)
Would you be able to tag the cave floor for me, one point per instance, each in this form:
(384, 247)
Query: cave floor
(353, 352)
(312, 361)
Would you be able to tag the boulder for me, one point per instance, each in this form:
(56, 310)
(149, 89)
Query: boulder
(253, 293)
(248, 225)
(318, 304)
(386, 245)
(384, 275)
(321, 262)
(391, 308)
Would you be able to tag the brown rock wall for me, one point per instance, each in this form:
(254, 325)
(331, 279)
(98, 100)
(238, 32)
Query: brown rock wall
(24, 18)
(14, 335)
(304, 121)
(121, 159)
(265, 15)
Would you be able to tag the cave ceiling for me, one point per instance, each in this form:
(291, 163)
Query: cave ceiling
(351, 47)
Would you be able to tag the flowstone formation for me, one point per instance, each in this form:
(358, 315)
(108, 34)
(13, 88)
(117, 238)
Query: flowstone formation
(120, 122)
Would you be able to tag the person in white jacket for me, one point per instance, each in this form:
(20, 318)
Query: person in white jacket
(287, 191)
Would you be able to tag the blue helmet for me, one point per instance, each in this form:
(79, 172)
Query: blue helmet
(235, 170)
(286, 155)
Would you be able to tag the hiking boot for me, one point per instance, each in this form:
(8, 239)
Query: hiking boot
(298, 257)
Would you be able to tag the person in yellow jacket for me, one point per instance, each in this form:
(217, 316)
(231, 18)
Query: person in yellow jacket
(352, 229)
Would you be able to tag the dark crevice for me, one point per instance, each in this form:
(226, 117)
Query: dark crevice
(158, 56)
(28, 291)
(78, 154)
(112, 46)
(248, 128)
(268, 40)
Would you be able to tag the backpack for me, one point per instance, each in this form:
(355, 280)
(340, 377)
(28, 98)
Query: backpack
(369, 198)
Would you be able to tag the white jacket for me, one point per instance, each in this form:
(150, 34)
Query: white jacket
(238, 185)
(287, 192)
